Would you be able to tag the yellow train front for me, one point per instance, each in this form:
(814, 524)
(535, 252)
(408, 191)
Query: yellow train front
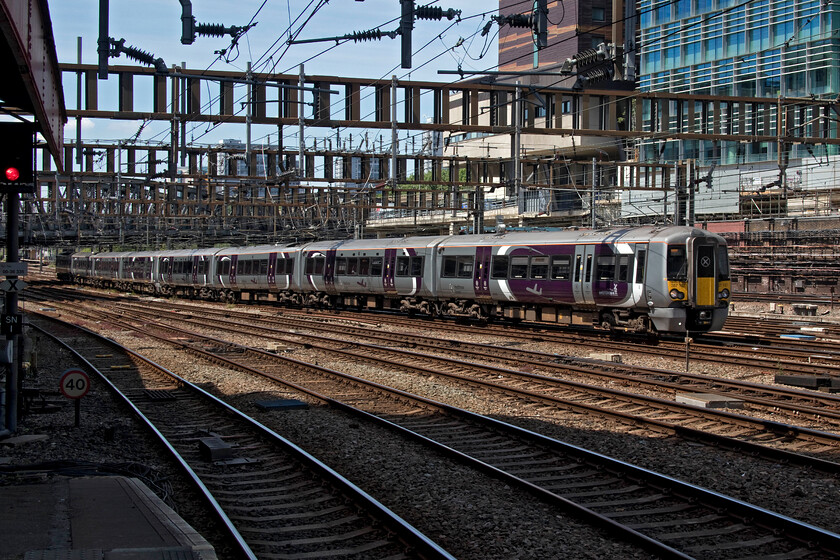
(687, 286)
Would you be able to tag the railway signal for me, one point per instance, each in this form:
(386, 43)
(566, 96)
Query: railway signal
(17, 151)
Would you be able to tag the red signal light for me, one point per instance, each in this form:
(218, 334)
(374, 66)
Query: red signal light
(12, 173)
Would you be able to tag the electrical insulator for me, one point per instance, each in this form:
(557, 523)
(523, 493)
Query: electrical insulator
(595, 75)
(370, 35)
(520, 20)
(587, 57)
(119, 47)
(435, 13)
(210, 29)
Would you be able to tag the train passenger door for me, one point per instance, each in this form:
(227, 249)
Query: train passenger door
(329, 271)
(584, 265)
(638, 281)
(234, 260)
(166, 270)
(481, 274)
(272, 269)
(196, 281)
(389, 267)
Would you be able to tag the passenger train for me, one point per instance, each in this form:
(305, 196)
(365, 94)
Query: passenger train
(670, 279)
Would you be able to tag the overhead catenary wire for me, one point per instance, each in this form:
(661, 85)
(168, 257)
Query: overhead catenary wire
(473, 36)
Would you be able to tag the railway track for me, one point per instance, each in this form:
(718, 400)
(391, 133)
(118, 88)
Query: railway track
(826, 333)
(794, 357)
(276, 500)
(824, 409)
(667, 516)
(785, 298)
(766, 437)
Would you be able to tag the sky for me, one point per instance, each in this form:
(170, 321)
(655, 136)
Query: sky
(155, 27)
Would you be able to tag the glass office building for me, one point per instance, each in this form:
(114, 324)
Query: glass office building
(768, 48)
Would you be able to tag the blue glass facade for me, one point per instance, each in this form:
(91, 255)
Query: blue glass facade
(761, 48)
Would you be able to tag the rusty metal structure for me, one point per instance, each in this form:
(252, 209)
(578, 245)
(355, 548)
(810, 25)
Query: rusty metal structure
(31, 76)
(179, 193)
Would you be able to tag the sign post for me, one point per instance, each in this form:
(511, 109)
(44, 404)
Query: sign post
(75, 384)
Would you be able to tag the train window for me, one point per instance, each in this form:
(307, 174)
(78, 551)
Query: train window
(290, 265)
(640, 267)
(578, 267)
(499, 267)
(519, 267)
(416, 266)
(376, 266)
(315, 265)
(465, 267)
(263, 267)
(353, 267)
(605, 269)
(224, 267)
(561, 267)
(539, 268)
(588, 275)
(450, 267)
(364, 266)
(402, 266)
(340, 266)
(722, 263)
(677, 264)
(188, 266)
(625, 263)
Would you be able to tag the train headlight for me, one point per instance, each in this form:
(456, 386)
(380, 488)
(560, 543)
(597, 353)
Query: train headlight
(724, 294)
(676, 294)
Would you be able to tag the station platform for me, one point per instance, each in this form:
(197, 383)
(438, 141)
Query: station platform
(94, 518)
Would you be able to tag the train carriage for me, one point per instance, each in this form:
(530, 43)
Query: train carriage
(106, 268)
(385, 273)
(675, 277)
(255, 273)
(172, 272)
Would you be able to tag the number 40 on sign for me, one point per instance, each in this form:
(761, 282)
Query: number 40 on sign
(74, 383)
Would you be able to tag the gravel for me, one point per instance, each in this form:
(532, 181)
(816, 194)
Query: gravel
(471, 515)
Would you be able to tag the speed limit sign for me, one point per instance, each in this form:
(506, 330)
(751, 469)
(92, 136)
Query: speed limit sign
(75, 383)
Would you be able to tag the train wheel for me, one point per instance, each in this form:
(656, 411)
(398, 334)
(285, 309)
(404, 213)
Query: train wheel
(608, 321)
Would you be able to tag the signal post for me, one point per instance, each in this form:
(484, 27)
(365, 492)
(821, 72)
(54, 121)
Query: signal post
(17, 152)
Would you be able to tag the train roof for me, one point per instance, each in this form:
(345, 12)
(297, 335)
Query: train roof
(644, 234)
(387, 243)
(258, 249)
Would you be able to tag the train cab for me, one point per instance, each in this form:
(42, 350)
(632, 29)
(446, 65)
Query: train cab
(688, 286)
